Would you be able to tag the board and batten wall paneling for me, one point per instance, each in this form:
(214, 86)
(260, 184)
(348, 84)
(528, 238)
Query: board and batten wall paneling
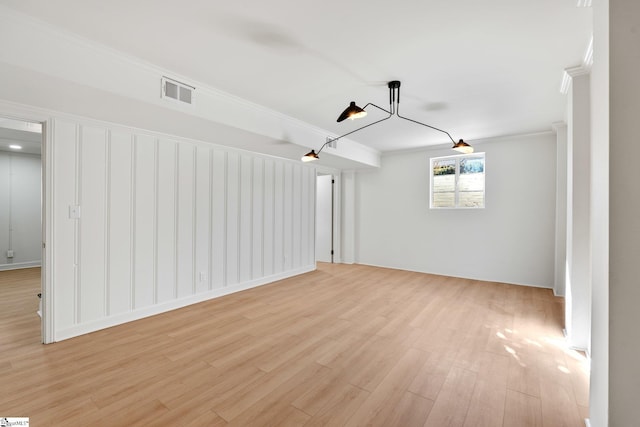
(166, 207)
(279, 219)
(245, 234)
(186, 283)
(269, 219)
(257, 223)
(288, 217)
(92, 189)
(164, 223)
(119, 223)
(144, 221)
(64, 249)
(202, 222)
(219, 219)
(233, 220)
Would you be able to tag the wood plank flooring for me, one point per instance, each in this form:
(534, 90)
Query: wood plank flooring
(346, 345)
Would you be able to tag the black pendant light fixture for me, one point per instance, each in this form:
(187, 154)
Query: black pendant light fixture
(462, 147)
(354, 112)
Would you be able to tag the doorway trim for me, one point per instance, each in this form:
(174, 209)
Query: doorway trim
(336, 198)
(28, 114)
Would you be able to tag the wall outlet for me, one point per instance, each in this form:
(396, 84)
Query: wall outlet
(203, 276)
(9, 253)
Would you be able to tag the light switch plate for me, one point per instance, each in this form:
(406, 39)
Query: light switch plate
(74, 212)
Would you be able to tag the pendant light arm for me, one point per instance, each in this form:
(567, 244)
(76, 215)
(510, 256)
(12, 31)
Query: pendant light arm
(330, 140)
(379, 108)
(396, 103)
(394, 109)
(429, 126)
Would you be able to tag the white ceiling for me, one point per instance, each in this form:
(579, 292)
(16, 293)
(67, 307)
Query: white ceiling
(26, 135)
(476, 69)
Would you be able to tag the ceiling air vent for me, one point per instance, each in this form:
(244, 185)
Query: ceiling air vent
(178, 91)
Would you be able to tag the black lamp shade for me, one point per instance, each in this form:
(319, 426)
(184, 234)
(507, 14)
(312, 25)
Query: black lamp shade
(462, 147)
(352, 112)
(310, 156)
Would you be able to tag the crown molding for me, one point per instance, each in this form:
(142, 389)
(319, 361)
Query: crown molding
(580, 70)
(569, 74)
(558, 126)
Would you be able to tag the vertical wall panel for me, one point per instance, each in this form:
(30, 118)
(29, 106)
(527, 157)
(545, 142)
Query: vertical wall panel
(257, 215)
(268, 220)
(304, 218)
(218, 216)
(186, 219)
(93, 231)
(311, 215)
(166, 230)
(119, 220)
(163, 220)
(296, 232)
(288, 217)
(144, 229)
(233, 219)
(203, 218)
(279, 219)
(245, 224)
(63, 263)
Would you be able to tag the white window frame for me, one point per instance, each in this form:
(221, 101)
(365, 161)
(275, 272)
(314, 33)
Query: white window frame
(457, 158)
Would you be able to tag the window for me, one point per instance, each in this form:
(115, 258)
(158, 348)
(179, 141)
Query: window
(457, 181)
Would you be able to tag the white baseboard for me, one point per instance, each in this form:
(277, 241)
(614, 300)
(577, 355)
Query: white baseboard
(18, 265)
(143, 312)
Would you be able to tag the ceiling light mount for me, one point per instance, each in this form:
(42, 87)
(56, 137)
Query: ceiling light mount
(354, 112)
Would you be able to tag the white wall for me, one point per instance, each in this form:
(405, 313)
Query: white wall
(599, 378)
(578, 272)
(512, 240)
(20, 201)
(624, 213)
(559, 287)
(165, 222)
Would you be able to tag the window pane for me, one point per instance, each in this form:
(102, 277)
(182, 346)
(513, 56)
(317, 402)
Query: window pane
(472, 165)
(444, 200)
(471, 199)
(444, 167)
(444, 183)
(458, 181)
(471, 182)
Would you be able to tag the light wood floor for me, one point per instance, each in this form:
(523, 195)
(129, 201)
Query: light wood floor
(344, 345)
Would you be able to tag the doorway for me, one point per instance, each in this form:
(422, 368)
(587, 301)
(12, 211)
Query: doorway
(21, 229)
(325, 219)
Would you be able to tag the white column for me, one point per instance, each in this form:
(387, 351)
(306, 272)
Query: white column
(578, 270)
(624, 213)
(561, 208)
(599, 346)
(349, 217)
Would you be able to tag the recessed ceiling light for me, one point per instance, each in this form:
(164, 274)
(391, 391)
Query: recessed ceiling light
(16, 147)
